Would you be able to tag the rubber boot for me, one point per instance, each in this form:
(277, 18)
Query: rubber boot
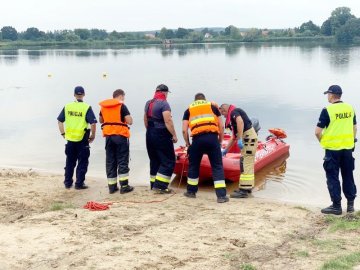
(350, 207)
(126, 189)
(334, 209)
(113, 188)
(241, 193)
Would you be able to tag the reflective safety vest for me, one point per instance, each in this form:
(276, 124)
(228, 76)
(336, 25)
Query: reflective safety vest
(75, 120)
(202, 119)
(340, 132)
(111, 113)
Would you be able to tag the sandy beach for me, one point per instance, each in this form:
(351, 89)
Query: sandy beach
(43, 226)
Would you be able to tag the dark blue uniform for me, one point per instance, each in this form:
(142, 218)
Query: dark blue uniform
(159, 145)
(336, 161)
(205, 143)
(77, 152)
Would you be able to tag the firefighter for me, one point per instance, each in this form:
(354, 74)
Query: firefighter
(77, 116)
(336, 132)
(115, 119)
(160, 137)
(246, 138)
(204, 120)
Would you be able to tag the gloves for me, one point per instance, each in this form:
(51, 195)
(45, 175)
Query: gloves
(223, 152)
(240, 144)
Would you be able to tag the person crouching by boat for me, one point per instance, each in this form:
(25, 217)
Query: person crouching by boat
(115, 118)
(336, 132)
(204, 121)
(246, 137)
(160, 137)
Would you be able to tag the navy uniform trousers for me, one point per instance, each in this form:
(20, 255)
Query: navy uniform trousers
(335, 162)
(206, 143)
(77, 152)
(161, 153)
(117, 159)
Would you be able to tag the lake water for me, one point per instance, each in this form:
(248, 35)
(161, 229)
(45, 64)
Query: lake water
(281, 85)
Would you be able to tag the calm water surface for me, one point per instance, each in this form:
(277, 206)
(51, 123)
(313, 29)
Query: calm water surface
(282, 85)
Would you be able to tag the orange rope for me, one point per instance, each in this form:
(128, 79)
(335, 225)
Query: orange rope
(95, 206)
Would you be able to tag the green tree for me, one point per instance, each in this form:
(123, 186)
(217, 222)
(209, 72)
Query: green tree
(339, 17)
(196, 36)
(310, 28)
(181, 32)
(98, 34)
(169, 34)
(346, 33)
(9, 32)
(326, 28)
(82, 33)
(232, 32)
(33, 33)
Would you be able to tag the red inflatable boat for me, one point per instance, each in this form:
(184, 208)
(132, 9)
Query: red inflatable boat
(268, 151)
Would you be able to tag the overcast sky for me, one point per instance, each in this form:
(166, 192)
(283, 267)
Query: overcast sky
(137, 15)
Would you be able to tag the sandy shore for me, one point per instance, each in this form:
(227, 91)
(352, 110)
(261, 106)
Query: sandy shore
(43, 226)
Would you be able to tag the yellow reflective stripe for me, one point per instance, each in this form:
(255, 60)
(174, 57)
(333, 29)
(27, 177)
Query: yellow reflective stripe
(112, 181)
(162, 178)
(123, 177)
(219, 184)
(152, 178)
(200, 116)
(193, 181)
(247, 177)
(203, 119)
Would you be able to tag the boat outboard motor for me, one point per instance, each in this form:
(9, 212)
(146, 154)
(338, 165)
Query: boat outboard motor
(256, 124)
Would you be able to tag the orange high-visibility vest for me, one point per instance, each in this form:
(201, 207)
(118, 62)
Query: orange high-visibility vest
(202, 119)
(111, 113)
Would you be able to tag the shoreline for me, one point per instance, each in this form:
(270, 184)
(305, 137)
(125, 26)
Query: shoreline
(44, 226)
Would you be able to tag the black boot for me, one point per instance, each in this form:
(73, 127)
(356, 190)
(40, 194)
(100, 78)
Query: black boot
(350, 207)
(126, 189)
(334, 209)
(113, 188)
(241, 193)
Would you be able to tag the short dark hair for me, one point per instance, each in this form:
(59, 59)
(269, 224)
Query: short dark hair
(199, 96)
(118, 92)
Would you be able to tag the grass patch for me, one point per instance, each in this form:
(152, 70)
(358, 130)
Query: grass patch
(57, 206)
(345, 223)
(247, 266)
(328, 245)
(302, 253)
(342, 262)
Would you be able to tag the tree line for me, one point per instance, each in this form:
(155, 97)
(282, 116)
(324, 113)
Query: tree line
(342, 25)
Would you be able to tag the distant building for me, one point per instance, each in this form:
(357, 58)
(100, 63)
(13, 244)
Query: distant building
(265, 32)
(208, 35)
(167, 41)
(150, 36)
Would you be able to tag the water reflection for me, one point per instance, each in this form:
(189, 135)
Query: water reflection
(339, 56)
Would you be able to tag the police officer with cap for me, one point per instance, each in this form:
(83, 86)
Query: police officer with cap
(336, 132)
(77, 116)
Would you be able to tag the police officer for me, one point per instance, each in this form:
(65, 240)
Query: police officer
(115, 118)
(160, 137)
(77, 116)
(204, 121)
(336, 132)
(246, 138)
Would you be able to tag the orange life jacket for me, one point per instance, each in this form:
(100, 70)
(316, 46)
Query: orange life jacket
(202, 119)
(111, 113)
